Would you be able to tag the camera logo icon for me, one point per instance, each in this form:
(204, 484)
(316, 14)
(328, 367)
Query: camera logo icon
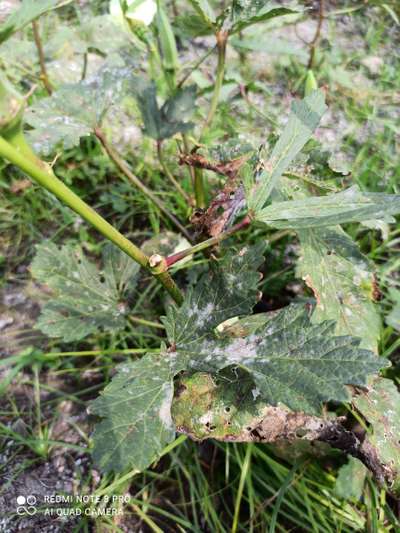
(26, 505)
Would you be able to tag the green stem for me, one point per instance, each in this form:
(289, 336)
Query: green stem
(186, 146)
(52, 184)
(123, 167)
(197, 177)
(42, 62)
(314, 43)
(199, 190)
(84, 66)
(172, 259)
(17, 139)
(222, 38)
(169, 175)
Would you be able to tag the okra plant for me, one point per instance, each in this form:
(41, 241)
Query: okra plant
(222, 371)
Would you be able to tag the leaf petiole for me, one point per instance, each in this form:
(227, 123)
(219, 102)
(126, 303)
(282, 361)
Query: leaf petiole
(172, 259)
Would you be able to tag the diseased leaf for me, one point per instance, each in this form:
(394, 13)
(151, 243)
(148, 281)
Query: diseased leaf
(242, 327)
(303, 120)
(245, 13)
(380, 406)
(136, 408)
(351, 205)
(120, 271)
(220, 407)
(172, 117)
(75, 110)
(342, 281)
(224, 292)
(291, 361)
(87, 37)
(83, 302)
(351, 479)
(229, 407)
(132, 403)
(231, 150)
(28, 11)
(280, 359)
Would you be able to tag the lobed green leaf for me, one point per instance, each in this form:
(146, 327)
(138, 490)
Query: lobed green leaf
(380, 406)
(342, 280)
(351, 205)
(172, 117)
(85, 298)
(136, 412)
(75, 110)
(303, 119)
(245, 13)
(28, 11)
(226, 291)
(292, 361)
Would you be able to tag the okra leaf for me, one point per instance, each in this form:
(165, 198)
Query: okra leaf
(136, 412)
(351, 205)
(87, 37)
(281, 359)
(291, 361)
(303, 120)
(222, 406)
(179, 108)
(146, 95)
(343, 283)
(380, 406)
(245, 13)
(85, 299)
(91, 34)
(226, 291)
(28, 11)
(172, 117)
(75, 110)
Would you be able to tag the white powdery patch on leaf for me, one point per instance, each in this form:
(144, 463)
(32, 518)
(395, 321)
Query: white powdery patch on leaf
(201, 316)
(256, 393)
(206, 418)
(164, 411)
(241, 350)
